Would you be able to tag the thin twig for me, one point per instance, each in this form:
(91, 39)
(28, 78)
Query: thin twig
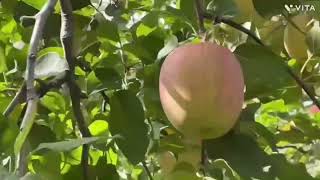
(18, 98)
(298, 80)
(32, 99)
(144, 164)
(67, 33)
(106, 100)
(219, 19)
(304, 86)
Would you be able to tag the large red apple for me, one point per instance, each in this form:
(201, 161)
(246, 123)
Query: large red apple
(202, 90)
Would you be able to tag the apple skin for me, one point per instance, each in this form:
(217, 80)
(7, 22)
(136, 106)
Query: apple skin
(167, 162)
(201, 90)
(294, 40)
(314, 110)
(272, 34)
(246, 8)
(247, 12)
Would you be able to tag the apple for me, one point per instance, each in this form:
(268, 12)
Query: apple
(202, 90)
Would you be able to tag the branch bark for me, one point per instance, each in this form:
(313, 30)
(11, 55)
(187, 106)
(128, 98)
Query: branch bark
(200, 11)
(219, 19)
(32, 99)
(66, 36)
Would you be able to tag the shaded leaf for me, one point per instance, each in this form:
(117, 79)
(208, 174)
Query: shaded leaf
(69, 145)
(264, 72)
(127, 120)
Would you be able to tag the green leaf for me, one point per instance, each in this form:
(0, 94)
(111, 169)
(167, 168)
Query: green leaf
(79, 4)
(285, 170)
(106, 171)
(146, 48)
(242, 153)
(55, 102)
(48, 50)
(76, 4)
(30, 176)
(73, 173)
(38, 4)
(249, 160)
(108, 29)
(26, 127)
(3, 64)
(170, 44)
(64, 146)
(8, 132)
(188, 9)
(4, 102)
(127, 119)
(272, 34)
(109, 77)
(40, 134)
(9, 27)
(264, 72)
(144, 30)
(99, 128)
(47, 165)
(223, 165)
(313, 39)
(9, 5)
(223, 8)
(183, 170)
(4, 174)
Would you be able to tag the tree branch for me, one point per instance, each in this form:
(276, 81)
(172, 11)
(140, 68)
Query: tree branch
(219, 19)
(144, 164)
(21, 96)
(237, 26)
(32, 99)
(66, 36)
(199, 10)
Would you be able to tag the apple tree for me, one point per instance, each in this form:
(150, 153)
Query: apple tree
(81, 92)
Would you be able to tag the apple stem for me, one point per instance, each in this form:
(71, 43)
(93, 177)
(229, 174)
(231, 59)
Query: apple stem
(204, 158)
(192, 153)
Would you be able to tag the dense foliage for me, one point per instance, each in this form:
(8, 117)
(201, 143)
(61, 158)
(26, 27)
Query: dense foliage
(119, 47)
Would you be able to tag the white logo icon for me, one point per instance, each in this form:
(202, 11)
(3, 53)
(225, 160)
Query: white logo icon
(300, 7)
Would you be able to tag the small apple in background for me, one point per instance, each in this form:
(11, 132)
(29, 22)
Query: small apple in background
(247, 12)
(295, 39)
(314, 110)
(167, 162)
